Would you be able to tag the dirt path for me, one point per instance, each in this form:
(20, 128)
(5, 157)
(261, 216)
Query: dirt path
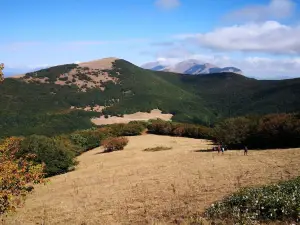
(137, 187)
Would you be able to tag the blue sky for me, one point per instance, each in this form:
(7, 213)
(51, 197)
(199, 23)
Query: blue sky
(246, 34)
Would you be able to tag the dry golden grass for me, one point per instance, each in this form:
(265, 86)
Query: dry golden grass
(138, 116)
(137, 187)
(103, 64)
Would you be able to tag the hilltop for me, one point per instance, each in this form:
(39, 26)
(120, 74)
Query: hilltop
(51, 100)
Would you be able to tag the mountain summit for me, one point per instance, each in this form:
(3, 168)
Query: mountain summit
(190, 66)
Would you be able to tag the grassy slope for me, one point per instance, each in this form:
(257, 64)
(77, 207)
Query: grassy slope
(135, 187)
(44, 108)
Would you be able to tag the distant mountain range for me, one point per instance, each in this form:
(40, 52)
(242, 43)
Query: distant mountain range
(191, 66)
(9, 72)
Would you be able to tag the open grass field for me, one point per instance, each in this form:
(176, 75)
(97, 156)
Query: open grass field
(138, 116)
(134, 186)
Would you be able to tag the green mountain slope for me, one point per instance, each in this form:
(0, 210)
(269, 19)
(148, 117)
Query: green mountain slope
(30, 106)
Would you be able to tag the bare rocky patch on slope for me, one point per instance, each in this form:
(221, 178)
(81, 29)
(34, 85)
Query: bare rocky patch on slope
(86, 75)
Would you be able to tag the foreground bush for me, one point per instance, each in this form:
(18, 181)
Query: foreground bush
(114, 144)
(58, 158)
(271, 202)
(16, 174)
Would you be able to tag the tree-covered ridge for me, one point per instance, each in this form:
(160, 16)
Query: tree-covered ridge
(45, 108)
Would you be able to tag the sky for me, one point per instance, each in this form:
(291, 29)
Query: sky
(260, 37)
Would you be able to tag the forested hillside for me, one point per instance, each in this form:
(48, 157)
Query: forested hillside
(39, 107)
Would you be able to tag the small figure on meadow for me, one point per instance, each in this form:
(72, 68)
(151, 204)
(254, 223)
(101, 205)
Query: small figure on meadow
(219, 149)
(245, 150)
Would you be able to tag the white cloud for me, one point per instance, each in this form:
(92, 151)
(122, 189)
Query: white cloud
(268, 37)
(268, 68)
(16, 46)
(175, 52)
(276, 9)
(38, 66)
(167, 4)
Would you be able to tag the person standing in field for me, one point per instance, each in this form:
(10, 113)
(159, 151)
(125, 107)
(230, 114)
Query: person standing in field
(219, 149)
(223, 149)
(245, 150)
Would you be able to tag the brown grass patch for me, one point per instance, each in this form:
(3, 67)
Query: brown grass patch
(131, 187)
(157, 149)
(138, 116)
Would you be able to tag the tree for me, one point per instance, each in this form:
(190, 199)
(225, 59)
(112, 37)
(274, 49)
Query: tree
(1, 72)
(233, 131)
(53, 152)
(16, 174)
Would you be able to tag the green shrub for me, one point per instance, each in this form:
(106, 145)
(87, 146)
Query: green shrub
(121, 129)
(56, 155)
(271, 202)
(63, 78)
(86, 139)
(70, 144)
(130, 129)
(114, 143)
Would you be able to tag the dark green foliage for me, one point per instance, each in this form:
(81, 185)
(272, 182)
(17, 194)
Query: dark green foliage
(52, 73)
(44, 124)
(130, 129)
(278, 131)
(84, 77)
(87, 139)
(270, 131)
(53, 152)
(234, 131)
(63, 78)
(271, 202)
(144, 90)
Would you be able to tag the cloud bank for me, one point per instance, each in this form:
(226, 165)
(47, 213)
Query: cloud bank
(267, 37)
(276, 9)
